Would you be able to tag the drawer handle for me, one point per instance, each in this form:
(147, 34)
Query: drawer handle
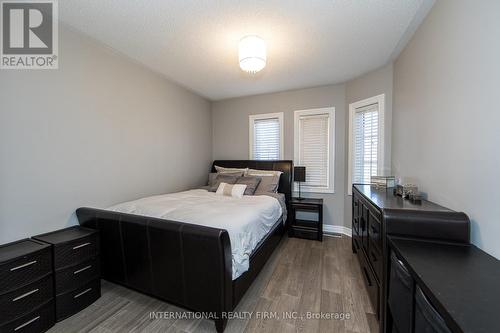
(83, 269)
(24, 265)
(81, 245)
(367, 277)
(24, 295)
(82, 293)
(26, 323)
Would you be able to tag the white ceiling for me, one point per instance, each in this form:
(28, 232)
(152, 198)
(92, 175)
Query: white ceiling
(195, 43)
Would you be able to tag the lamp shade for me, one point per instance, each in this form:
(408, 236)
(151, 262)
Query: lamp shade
(299, 174)
(252, 54)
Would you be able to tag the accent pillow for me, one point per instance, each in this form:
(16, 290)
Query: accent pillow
(255, 172)
(231, 170)
(223, 178)
(251, 182)
(231, 190)
(267, 184)
(211, 178)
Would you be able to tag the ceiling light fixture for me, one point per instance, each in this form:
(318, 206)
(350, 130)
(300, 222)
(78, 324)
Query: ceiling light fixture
(252, 54)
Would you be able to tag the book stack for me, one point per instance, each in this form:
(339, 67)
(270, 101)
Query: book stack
(383, 181)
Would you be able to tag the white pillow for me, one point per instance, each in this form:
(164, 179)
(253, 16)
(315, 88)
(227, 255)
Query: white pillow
(263, 173)
(231, 190)
(230, 170)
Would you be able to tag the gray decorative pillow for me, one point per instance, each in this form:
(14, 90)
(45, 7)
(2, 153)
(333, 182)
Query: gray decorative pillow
(251, 183)
(213, 175)
(268, 184)
(223, 178)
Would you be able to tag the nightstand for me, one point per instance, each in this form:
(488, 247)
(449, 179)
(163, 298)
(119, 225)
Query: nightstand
(76, 268)
(26, 287)
(306, 228)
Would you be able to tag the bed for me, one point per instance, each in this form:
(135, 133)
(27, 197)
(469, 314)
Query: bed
(165, 257)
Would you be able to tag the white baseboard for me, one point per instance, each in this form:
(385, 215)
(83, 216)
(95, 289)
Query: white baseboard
(337, 229)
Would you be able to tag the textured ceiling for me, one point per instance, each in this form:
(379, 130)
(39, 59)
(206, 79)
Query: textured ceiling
(195, 43)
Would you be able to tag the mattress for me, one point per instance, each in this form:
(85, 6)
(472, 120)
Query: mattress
(247, 220)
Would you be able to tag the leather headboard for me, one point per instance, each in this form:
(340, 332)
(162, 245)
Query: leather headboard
(285, 166)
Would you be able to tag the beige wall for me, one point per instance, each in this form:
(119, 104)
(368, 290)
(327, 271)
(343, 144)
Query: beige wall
(446, 117)
(230, 131)
(98, 131)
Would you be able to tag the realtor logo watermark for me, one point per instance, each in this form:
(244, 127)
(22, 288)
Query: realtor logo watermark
(29, 36)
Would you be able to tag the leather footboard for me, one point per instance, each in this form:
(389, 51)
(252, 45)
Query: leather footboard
(184, 264)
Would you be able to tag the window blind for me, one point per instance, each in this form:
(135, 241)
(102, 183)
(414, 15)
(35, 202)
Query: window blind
(366, 140)
(266, 139)
(313, 148)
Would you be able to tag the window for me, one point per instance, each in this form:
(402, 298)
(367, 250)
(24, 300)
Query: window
(366, 140)
(266, 136)
(314, 148)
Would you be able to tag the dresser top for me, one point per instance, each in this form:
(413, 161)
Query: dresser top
(65, 235)
(18, 249)
(385, 199)
(463, 281)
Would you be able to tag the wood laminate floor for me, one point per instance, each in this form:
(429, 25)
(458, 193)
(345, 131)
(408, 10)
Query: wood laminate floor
(301, 277)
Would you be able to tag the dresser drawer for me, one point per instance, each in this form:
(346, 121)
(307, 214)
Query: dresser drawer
(355, 225)
(375, 232)
(75, 251)
(375, 259)
(71, 302)
(356, 242)
(374, 210)
(39, 320)
(23, 300)
(74, 276)
(25, 269)
(370, 283)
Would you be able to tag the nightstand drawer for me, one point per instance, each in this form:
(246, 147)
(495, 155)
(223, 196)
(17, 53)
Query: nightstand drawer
(39, 320)
(23, 300)
(304, 233)
(298, 206)
(74, 276)
(71, 302)
(24, 270)
(75, 251)
(305, 223)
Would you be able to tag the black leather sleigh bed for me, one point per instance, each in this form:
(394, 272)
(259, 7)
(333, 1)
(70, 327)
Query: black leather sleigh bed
(184, 264)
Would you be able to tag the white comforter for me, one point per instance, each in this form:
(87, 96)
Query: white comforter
(247, 220)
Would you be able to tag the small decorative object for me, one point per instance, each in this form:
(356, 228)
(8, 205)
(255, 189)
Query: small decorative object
(383, 181)
(405, 190)
(416, 198)
(299, 175)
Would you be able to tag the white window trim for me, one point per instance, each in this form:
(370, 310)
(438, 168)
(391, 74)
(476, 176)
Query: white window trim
(252, 118)
(331, 148)
(380, 99)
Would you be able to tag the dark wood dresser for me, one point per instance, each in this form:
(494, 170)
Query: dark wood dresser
(76, 268)
(26, 287)
(377, 213)
(437, 287)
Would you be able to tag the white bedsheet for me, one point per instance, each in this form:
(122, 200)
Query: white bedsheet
(247, 220)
